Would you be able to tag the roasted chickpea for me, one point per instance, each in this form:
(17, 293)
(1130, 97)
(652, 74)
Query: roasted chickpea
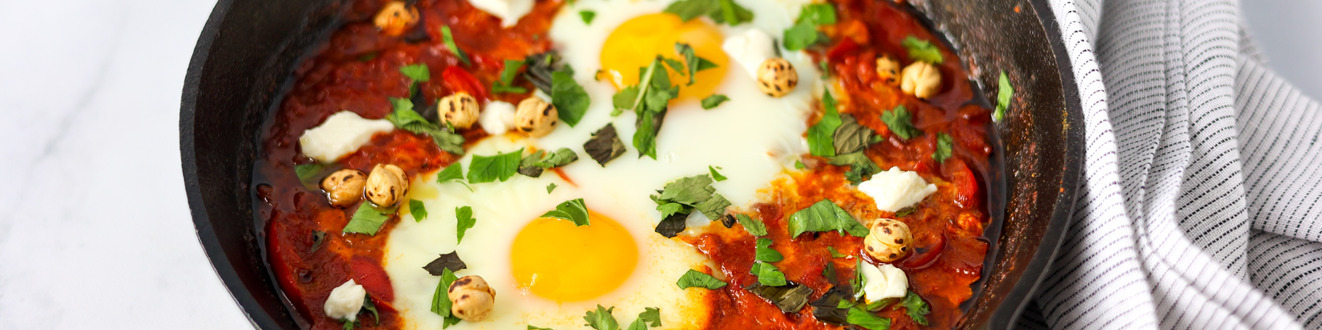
(387, 185)
(395, 18)
(458, 109)
(777, 77)
(344, 187)
(472, 298)
(535, 117)
(888, 70)
(921, 79)
(888, 240)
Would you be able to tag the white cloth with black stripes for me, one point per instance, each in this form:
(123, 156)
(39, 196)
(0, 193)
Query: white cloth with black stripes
(1201, 205)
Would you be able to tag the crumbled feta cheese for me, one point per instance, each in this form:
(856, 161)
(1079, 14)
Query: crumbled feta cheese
(894, 189)
(497, 118)
(749, 49)
(882, 282)
(341, 134)
(509, 11)
(345, 301)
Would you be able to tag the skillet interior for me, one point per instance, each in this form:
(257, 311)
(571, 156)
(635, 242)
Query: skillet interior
(248, 50)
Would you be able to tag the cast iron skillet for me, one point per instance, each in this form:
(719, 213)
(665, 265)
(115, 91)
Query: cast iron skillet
(248, 50)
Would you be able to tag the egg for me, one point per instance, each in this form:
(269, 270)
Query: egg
(548, 272)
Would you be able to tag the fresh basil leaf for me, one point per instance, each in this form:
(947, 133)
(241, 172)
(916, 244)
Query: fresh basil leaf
(367, 219)
(310, 174)
(318, 238)
(714, 101)
(789, 298)
(587, 16)
(574, 210)
(765, 253)
(463, 221)
(867, 320)
(716, 175)
(491, 168)
(440, 300)
(644, 139)
(834, 253)
(540, 69)
(694, 192)
(768, 274)
(507, 75)
(651, 316)
(454, 48)
(605, 145)
(899, 122)
(416, 72)
(697, 279)
(753, 226)
(825, 216)
(851, 136)
(922, 50)
(601, 319)
(550, 187)
(534, 164)
(418, 210)
(827, 307)
(943, 144)
(625, 99)
(672, 225)
(821, 136)
(405, 118)
(1004, 95)
(802, 35)
(693, 63)
(818, 14)
(449, 261)
(916, 308)
(570, 99)
(860, 166)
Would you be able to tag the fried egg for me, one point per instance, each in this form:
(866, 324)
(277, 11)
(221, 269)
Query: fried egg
(548, 272)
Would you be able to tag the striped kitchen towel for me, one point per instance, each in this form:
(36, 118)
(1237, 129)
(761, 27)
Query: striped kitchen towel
(1202, 201)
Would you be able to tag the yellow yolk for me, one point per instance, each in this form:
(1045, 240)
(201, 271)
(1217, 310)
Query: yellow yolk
(637, 42)
(557, 260)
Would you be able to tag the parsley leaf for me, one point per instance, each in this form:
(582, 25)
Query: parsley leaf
(693, 63)
(860, 166)
(821, 136)
(834, 253)
(310, 174)
(649, 100)
(714, 101)
(825, 216)
(569, 98)
(534, 164)
(720, 11)
(440, 300)
(491, 168)
(367, 219)
(943, 144)
(1004, 95)
(692, 193)
(574, 210)
(454, 172)
(861, 317)
(922, 50)
(697, 279)
(605, 145)
(601, 319)
(416, 72)
(550, 187)
(651, 315)
(798, 165)
(507, 75)
(851, 136)
(371, 307)
(405, 118)
(454, 48)
(898, 121)
(916, 308)
(753, 226)
(463, 221)
(587, 16)
(804, 33)
(765, 253)
(418, 210)
(449, 261)
(716, 175)
(818, 14)
(768, 274)
(540, 69)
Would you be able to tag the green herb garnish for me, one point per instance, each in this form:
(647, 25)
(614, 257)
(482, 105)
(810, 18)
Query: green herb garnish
(449, 43)
(697, 279)
(318, 238)
(605, 145)
(863, 318)
(899, 122)
(449, 261)
(804, 33)
(371, 307)
(491, 168)
(538, 328)
(649, 100)
(405, 118)
(416, 72)
(685, 195)
(570, 99)
(714, 101)
(798, 164)
(716, 175)
(915, 307)
(418, 210)
(851, 136)
(440, 300)
(367, 219)
(720, 11)
(651, 316)
(550, 187)
(752, 226)
(574, 210)
(825, 216)
(943, 144)
(587, 16)
(765, 253)
(789, 298)
(534, 164)
(922, 50)
(821, 136)
(601, 319)
(834, 253)
(860, 166)
(507, 75)
(1004, 94)
(692, 63)
(463, 221)
(767, 274)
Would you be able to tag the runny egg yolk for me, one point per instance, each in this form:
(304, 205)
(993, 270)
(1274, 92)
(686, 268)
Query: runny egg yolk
(637, 42)
(557, 260)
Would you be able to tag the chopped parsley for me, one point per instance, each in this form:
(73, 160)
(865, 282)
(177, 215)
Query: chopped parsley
(798, 164)
(440, 300)
(685, 195)
(860, 316)
(418, 210)
(587, 16)
(574, 210)
(651, 316)
(1004, 95)
(601, 319)
(449, 43)
(821, 136)
(899, 122)
(534, 164)
(916, 308)
(804, 33)
(605, 145)
(367, 219)
(922, 50)
(405, 118)
(492, 168)
(692, 63)
(454, 172)
(416, 72)
(754, 227)
(507, 75)
(649, 100)
(825, 216)
(714, 101)
(716, 175)
(463, 221)
(860, 166)
(570, 99)
(720, 11)
(765, 253)
(943, 144)
(767, 274)
(550, 187)
(449, 261)
(697, 279)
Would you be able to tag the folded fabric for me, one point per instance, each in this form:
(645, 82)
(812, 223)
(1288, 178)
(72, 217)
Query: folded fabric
(1202, 198)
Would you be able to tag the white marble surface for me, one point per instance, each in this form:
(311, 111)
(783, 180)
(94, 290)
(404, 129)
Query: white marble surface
(95, 230)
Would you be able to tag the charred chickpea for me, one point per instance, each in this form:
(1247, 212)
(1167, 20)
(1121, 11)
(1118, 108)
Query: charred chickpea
(535, 117)
(472, 298)
(921, 79)
(777, 77)
(344, 187)
(458, 109)
(888, 69)
(888, 240)
(386, 185)
(395, 18)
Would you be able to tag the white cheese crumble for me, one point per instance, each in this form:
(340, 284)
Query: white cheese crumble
(341, 134)
(345, 301)
(894, 189)
(509, 11)
(749, 49)
(497, 118)
(882, 282)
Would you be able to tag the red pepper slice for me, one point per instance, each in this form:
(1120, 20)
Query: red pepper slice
(966, 183)
(459, 80)
(372, 277)
(842, 48)
(926, 258)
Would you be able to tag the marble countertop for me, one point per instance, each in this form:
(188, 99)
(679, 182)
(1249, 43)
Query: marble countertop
(95, 230)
